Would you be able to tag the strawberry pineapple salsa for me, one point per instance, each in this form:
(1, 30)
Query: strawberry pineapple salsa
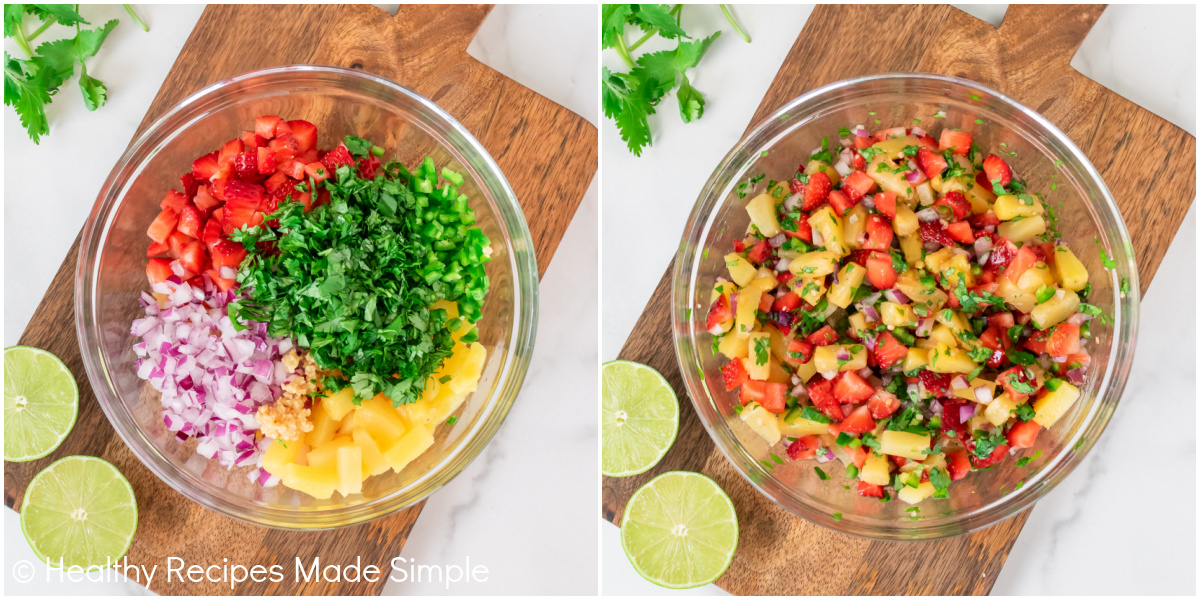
(906, 306)
(312, 312)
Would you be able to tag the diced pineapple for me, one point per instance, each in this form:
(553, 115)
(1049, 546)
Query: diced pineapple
(832, 234)
(814, 264)
(913, 247)
(1035, 278)
(1000, 410)
(945, 359)
(936, 260)
(281, 453)
(734, 346)
(903, 443)
(825, 358)
(763, 423)
(1054, 404)
(778, 374)
(316, 482)
(893, 148)
(379, 419)
(758, 363)
(854, 225)
(811, 289)
(722, 287)
(349, 470)
(466, 379)
(779, 342)
(916, 358)
(1015, 296)
(1055, 310)
(906, 222)
(348, 423)
(1071, 271)
(931, 298)
(858, 325)
(942, 334)
(959, 266)
(799, 426)
(1009, 207)
(979, 197)
(913, 495)
(959, 328)
(747, 312)
(875, 470)
(888, 180)
(762, 214)
(337, 405)
(1023, 230)
(325, 455)
(897, 315)
(848, 279)
(412, 444)
(968, 393)
(816, 165)
(324, 425)
(925, 194)
(806, 371)
(741, 271)
(373, 462)
(764, 280)
(935, 460)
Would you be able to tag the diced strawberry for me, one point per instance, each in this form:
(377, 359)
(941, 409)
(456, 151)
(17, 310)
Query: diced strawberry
(1003, 320)
(823, 336)
(1016, 376)
(1024, 259)
(229, 152)
(958, 464)
(882, 404)
(852, 389)
(158, 270)
(251, 140)
(934, 231)
(986, 219)
(888, 350)
(953, 206)
(899, 461)
(156, 249)
(996, 456)
(1002, 254)
(821, 394)
(275, 181)
(317, 171)
(212, 232)
(930, 162)
(997, 171)
(190, 184)
(174, 201)
(759, 253)
(880, 271)
(266, 161)
(293, 169)
(193, 259)
(950, 418)
(163, 225)
(367, 167)
(227, 253)
(1063, 340)
(937, 384)
(739, 245)
(858, 421)
(1023, 434)
(800, 351)
(885, 202)
(190, 221)
(857, 162)
(734, 374)
(720, 317)
(1074, 361)
(959, 142)
(222, 284)
(857, 184)
(305, 134)
(1037, 342)
(265, 126)
(337, 157)
(801, 229)
(217, 187)
(246, 165)
(804, 447)
(764, 302)
(859, 455)
(205, 167)
(961, 232)
(860, 142)
(204, 198)
(816, 191)
(284, 147)
(887, 134)
(840, 202)
(772, 396)
(879, 234)
(787, 302)
(869, 491)
(281, 128)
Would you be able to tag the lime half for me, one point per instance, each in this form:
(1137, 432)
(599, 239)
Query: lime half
(640, 420)
(80, 511)
(40, 403)
(680, 530)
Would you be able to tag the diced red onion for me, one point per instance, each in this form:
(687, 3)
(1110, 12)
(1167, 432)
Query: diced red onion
(959, 382)
(1075, 376)
(1079, 319)
(818, 239)
(915, 177)
(868, 202)
(865, 372)
(844, 354)
(924, 326)
(791, 202)
(870, 313)
(927, 215)
(782, 264)
(843, 168)
(982, 245)
(1058, 359)
(227, 272)
(983, 394)
(896, 296)
(777, 241)
(965, 412)
(917, 131)
(931, 246)
(860, 132)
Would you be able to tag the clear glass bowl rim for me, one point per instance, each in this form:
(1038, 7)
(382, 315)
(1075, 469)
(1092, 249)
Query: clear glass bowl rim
(1108, 394)
(509, 380)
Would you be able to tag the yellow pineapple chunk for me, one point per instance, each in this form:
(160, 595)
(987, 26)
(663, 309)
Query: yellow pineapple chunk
(832, 234)
(1055, 310)
(324, 425)
(282, 453)
(806, 371)
(316, 482)
(903, 443)
(379, 419)
(349, 470)
(1023, 230)
(348, 424)
(825, 358)
(1000, 410)
(849, 278)
(799, 426)
(466, 380)
(916, 358)
(854, 226)
(747, 312)
(758, 363)
(1054, 404)
(968, 393)
(741, 271)
(1015, 296)
(723, 287)
(411, 445)
(945, 359)
(875, 470)
(373, 462)
(913, 247)
(734, 346)
(1009, 207)
(811, 290)
(897, 315)
(814, 264)
(906, 222)
(325, 455)
(762, 421)
(888, 180)
(817, 165)
(1071, 271)
(942, 334)
(764, 281)
(858, 325)
(762, 214)
(337, 405)
(913, 495)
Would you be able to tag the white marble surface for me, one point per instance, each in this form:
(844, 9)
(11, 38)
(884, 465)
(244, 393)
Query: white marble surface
(525, 508)
(1120, 524)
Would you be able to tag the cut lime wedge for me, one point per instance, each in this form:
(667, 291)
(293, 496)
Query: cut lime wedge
(41, 401)
(680, 530)
(640, 418)
(79, 512)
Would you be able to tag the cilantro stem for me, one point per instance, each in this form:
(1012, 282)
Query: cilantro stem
(19, 36)
(733, 22)
(136, 18)
(623, 51)
(677, 12)
(46, 25)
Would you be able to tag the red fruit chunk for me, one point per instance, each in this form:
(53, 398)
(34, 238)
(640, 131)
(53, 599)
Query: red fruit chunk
(958, 464)
(982, 220)
(996, 456)
(823, 336)
(800, 351)
(205, 167)
(889, 351)
(772, 396)
(193, 259)
(212, 232)
(937, 384)
(804, 447)
(1003, 252)
(275, 181)
(858, 184)
(281, 128)
(759, 253)
(816, 191)
(734, 374)
(229, 152)
(305, 134)
(953, 206)
(368, 167)
(1024, 259)
(163, 225)
(885, 202)
(931, 163)
(1023, 435)
(859, 421)
(222, 284)
(800, 228)
(787, 302)
(880, 271)
(840, 202)
(317, 171)
(879, 234)
(265, 126)
(1016, 376)
(882, 404)
(174, 201)
(959, 142)
(997, 171)
(156, 249)
(821, 393)
(852, 389)
(284, 147)
(158, 270)
(227, 253)
(720, 316)
(870, 491)
(961, 232)
(337, 157)
(1063, 340)
(266, 161)
(934, 231)
(246, 166)
(204, 199)
(190, 221)
(190, 184)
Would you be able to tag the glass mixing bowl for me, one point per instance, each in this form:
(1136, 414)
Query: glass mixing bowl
(1044, 157)
(112, 262)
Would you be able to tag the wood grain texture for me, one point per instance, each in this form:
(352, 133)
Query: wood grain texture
(547, 153)
(1139, 155)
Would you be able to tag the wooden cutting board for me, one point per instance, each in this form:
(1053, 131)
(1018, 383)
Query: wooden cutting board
(548, 154)
(1139, 155)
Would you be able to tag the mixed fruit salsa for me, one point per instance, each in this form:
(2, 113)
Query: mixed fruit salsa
(312, 312)
(905, 305)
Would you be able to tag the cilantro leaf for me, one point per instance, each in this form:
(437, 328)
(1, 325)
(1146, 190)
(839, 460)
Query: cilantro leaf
(656, 16)
(691, 101)
(941, 482)
(623, 101)
(94, 92)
